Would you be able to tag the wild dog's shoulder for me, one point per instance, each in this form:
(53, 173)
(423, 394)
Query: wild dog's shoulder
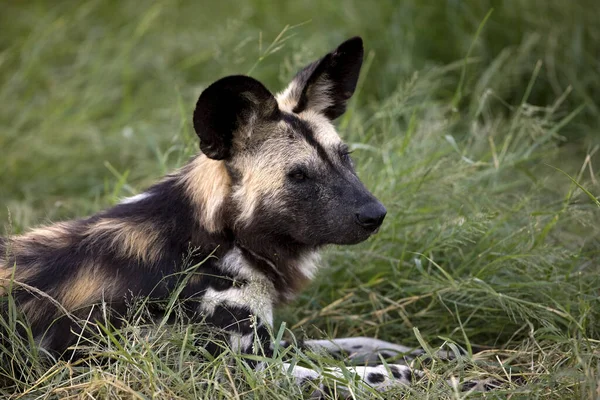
(163, 223)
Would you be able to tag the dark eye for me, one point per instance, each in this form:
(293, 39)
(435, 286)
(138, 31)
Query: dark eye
(298, 175)
(345, 154)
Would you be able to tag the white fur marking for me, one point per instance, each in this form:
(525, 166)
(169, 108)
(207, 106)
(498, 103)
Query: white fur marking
(135, 199)
(235, 263)
(318, 95)
(308, 265)
(240, 343)
(301, 374)
(286, 100)
(325, 132)
(351, 345)
(258, 294)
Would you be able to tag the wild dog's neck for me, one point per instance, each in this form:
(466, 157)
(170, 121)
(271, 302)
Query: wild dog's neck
(290, 267)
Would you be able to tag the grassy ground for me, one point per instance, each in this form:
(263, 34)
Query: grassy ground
(466, 134)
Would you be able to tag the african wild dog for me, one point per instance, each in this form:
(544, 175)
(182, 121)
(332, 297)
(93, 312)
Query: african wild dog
(274, 184)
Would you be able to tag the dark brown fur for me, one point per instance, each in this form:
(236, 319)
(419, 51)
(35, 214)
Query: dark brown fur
(273, 186)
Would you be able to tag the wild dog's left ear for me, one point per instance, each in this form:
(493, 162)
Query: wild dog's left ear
(228, 110)
(326, 85)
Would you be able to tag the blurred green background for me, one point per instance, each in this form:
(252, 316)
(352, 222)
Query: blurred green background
(86, 84)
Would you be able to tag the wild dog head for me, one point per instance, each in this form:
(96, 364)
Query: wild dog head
(292, 177)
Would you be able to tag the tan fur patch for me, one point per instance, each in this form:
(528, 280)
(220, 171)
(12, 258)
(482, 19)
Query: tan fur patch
(288, 99)
(323, 129)
(318, 95)
(34, 308)
(12, 274)
(53, 236)
(208, 184)
(90, 285)
(260, 176)
(137, 240)
(264, 173)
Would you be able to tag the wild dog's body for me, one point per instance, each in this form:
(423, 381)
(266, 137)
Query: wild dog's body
(135, 249)
(274, 184)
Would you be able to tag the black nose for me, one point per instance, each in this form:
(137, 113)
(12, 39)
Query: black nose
(371, 215)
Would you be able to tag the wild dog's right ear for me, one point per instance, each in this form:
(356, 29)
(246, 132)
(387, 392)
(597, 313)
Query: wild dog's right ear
(326, 85)
(228, 106)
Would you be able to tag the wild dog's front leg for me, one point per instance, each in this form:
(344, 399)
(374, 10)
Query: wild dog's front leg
(241, 315)
(379, 377)
(243, 319)
(366, 350)
(363, 350)
(240, 328)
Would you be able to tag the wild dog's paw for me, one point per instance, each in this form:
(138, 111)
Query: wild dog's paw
(336, 380)
(384, 376)
(363, 350)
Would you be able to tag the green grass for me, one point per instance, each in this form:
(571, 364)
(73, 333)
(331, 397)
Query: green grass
(486, 244)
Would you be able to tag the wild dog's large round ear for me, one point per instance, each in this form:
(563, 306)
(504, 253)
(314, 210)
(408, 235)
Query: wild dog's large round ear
(229, 105)
(327, 84)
